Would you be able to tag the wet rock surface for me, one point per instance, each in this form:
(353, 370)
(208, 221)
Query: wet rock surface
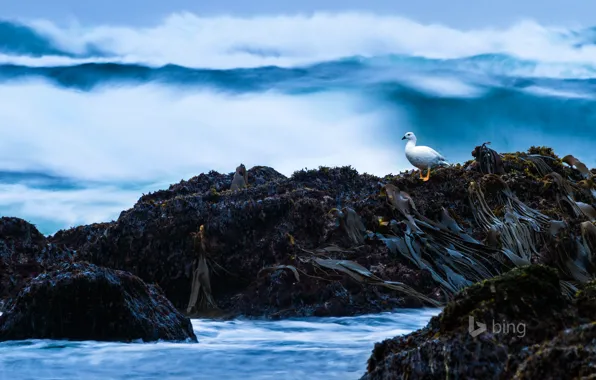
(516, 311)
(81, 301)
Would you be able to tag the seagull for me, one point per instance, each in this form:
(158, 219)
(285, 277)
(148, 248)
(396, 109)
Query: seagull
(422, 157)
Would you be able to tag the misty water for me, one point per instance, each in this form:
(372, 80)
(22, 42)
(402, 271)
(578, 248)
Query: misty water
(316, 348)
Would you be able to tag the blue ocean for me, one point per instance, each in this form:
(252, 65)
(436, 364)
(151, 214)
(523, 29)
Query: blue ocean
(319, 348)
(93, 116)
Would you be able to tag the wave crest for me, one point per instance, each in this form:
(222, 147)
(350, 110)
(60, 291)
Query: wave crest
(229, 42)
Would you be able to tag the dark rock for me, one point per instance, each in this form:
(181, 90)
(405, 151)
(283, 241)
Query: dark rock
(213, 181)
(247, 231)
(571, 355)
(254, 239)
(527, 301)
(82, 301)
(25, 253)
(81, 235)
(586, 302)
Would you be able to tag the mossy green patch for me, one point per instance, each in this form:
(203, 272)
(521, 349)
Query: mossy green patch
(523, 293)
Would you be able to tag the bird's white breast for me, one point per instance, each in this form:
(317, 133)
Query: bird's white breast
(421, 156)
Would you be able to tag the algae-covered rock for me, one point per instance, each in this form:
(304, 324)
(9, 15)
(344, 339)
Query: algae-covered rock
(586, 301)
(483, 333)
(82, 301)
(276, 221)
(256, 238)
(528, 295)
(571, 355)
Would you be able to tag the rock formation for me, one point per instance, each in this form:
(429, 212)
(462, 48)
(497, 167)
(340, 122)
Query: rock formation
(81, 301)
(335, 242)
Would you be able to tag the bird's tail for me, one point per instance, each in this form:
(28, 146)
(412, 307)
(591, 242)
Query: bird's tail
(444, 162)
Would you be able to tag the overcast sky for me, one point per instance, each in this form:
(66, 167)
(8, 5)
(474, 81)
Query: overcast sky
(456, 13)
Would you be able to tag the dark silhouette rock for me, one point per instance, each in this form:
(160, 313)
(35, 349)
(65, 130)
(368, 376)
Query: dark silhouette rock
(519, 309)
(81, 235)
(258, 250)
(81, 301)
(571, 355)
(24, 253)
(586, 302)
(248, 234)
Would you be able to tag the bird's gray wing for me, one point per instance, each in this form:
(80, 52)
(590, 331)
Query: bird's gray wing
(439, 155)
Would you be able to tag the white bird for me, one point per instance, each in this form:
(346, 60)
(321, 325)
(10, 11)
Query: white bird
(422, 157)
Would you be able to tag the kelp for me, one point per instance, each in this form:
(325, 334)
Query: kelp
(288, 267)
(524, 228)
(566, 197)
(350, 222)
(538, 162)
(453, 258)
(578, 165)
(444, 260)
(488, 161)
(200, 294)
(588, 232)
(516, 234)
(587, 210)
(364, 276)
(587, 248)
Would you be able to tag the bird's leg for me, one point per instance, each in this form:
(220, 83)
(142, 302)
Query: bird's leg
(421, 177)
(427, 175)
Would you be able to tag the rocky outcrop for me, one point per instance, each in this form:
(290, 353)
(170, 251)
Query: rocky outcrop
(25, 253)
(515, 326)
(335, 242)
(80, 236)
(571, 355)
(485, 332)
(81, 301)
(258, 245)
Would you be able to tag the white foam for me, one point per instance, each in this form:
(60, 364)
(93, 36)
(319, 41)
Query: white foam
(157, 134)
(544, 91)
(228, 42)
(320, 348)
(443, 86)
(149, 132)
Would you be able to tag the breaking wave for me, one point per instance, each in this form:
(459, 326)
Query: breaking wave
(96, 115)
(230, 42)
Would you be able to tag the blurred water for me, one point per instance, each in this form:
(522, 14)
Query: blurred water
(316, 348)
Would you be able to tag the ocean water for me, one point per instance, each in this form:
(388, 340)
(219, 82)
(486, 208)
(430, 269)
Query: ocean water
(317, 348)
(95, 115)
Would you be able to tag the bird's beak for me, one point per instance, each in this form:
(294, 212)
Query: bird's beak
(403, 138)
